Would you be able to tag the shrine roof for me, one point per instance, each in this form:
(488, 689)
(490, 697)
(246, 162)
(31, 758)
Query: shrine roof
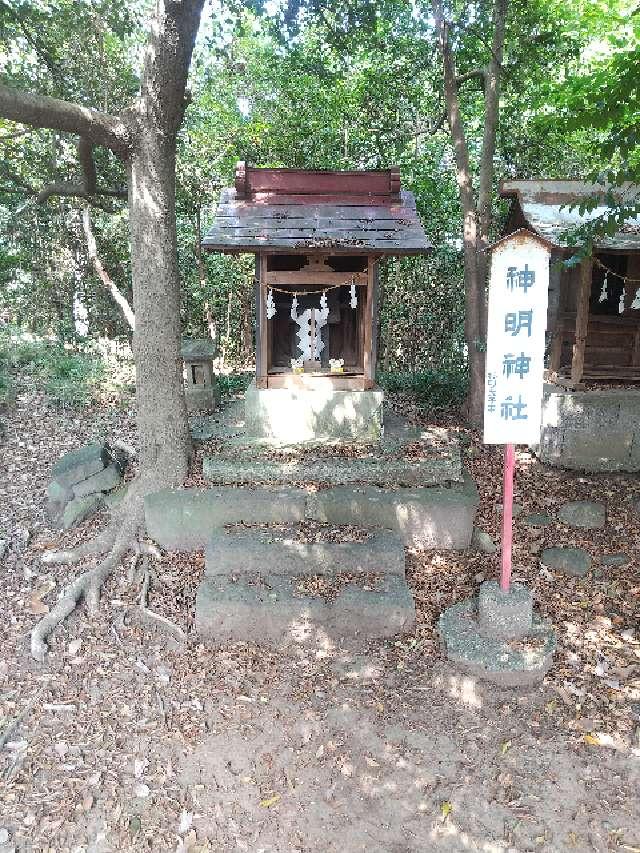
(297, 211)
(549, 209)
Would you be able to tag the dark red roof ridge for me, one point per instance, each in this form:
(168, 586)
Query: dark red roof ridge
(254, 184)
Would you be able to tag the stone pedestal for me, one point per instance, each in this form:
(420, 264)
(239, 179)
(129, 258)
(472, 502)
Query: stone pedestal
(201, 388)
(504, 615)
(497, 636)
(298, 415)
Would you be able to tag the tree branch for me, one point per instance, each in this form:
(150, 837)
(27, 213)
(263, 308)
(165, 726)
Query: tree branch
(42, 111)
(476, 74)
(103, 275)
(86, 188)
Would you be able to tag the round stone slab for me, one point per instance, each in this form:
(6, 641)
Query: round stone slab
(538, 519)
(589, 515)
(509, 664)
(570, 561)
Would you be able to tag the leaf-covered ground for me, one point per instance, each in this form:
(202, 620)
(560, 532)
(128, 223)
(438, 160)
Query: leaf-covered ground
(125, 740)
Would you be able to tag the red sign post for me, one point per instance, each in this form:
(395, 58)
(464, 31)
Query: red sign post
(516, 326)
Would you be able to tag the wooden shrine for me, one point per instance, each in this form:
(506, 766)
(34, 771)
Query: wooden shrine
(318, 237)
(594, 307)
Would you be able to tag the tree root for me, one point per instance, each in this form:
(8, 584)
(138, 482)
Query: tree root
(95, 547)
(152, 619)
(87, 585)
(120, 536)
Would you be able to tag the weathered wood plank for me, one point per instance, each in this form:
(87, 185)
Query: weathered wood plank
(369, 368)
(310, 181)
(302, 219)
(319, 242)
(317, 210)
(582, 320)
(318, 381)
(263, 359)
(305, 277)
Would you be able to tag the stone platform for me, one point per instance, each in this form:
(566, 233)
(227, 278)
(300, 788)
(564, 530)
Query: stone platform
(295, 415)
(263, 580)
(431, 517)
(339, 471)
(520, 661)
(263, 550)
(593, 430)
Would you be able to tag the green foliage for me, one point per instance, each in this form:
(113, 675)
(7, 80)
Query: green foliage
(321, 85)
(432, 390)
(232, 385)
(69, 378)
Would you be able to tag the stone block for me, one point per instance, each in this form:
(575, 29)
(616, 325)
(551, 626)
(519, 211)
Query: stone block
(271, 611)
(79, 509)
(259, 552)
(590, 430)
(597, 449)
(58, 494)
(80, 464)
(586, 515)
(481, 541)
(183, 519)
(201, 397)
(297, 415)
(437, 517)
(504, 615)
(103, 481)
(443, 467)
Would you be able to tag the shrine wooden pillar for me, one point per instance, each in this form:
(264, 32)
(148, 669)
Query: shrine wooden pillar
(582, 320)
(262, 327)
(369, 345)
(555, 323)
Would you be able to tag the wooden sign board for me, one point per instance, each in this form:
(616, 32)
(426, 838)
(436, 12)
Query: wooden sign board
(516, 326)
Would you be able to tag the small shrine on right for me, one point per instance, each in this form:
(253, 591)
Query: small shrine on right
(591, 406)
(318, 238)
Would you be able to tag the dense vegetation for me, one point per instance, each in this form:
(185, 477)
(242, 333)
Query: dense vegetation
(345, 86)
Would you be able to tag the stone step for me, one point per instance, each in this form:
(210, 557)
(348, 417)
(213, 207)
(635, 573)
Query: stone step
(255, 552)
(430, 517)
(442, 467)
(272, 611)
(436, 517)
(184, 519)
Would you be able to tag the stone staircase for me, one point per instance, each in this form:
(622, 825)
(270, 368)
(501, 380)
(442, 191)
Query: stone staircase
(262, 586)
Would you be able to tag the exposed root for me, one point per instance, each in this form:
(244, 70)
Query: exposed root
(120, 536)
(87, 585)
(155, 620)
(122, 533)
(95, 547)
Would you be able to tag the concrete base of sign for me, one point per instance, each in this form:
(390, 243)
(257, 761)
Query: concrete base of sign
(298, 415)
(504, 615)
(509, 662)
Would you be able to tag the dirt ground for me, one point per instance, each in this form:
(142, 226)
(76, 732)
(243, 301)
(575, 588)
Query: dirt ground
(125, 740)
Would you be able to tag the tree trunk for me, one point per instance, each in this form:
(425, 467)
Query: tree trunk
(161, 410)
(476, 216)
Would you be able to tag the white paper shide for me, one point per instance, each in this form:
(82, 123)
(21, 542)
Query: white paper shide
(516, 326)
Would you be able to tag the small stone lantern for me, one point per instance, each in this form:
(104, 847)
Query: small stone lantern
(200, 389)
